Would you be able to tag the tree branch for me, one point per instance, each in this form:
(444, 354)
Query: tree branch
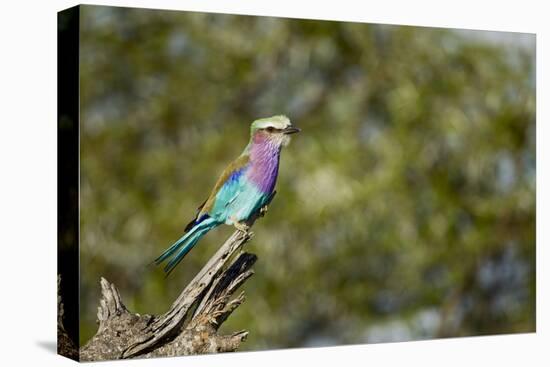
(191, 324)
(65, 346)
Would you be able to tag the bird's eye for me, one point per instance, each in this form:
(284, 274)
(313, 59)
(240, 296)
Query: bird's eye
(270, 129)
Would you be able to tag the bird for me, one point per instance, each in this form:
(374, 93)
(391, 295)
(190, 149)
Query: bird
(243, 189)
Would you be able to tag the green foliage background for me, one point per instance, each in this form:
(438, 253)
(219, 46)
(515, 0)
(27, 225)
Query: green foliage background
(406, 208)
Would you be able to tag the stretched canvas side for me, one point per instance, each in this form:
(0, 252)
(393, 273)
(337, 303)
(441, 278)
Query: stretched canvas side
(68, 179)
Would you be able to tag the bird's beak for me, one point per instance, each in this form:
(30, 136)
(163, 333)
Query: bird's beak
(291, 130)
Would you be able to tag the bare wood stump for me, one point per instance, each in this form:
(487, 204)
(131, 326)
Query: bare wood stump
(65, 346)
(191, 324)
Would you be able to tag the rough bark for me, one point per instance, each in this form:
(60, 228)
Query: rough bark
(65, 346)
(191, 324)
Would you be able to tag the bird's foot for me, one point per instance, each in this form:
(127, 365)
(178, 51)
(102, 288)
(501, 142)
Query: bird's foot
(243, 227)
(263, 210)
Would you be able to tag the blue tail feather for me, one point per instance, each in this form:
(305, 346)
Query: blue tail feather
(184, 250)
(170, 251)
(182, 246)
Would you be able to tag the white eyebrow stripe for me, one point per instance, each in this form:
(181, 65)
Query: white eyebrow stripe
(276, 124)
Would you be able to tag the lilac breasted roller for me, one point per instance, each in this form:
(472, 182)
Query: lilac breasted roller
(245, 187)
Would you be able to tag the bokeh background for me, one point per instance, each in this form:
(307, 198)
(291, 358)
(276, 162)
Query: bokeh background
(405, 209)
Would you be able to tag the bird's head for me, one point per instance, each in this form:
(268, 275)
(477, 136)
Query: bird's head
(275, 129)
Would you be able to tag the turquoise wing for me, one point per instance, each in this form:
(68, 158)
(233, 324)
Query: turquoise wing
(225, 190)
(227, 195)
(237, 199)
(247, 201)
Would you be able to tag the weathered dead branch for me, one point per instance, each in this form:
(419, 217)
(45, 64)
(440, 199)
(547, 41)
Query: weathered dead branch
(191, 324)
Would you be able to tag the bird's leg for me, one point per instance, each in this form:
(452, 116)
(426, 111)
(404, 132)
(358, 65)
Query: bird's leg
(241, 226)
(263, 209)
